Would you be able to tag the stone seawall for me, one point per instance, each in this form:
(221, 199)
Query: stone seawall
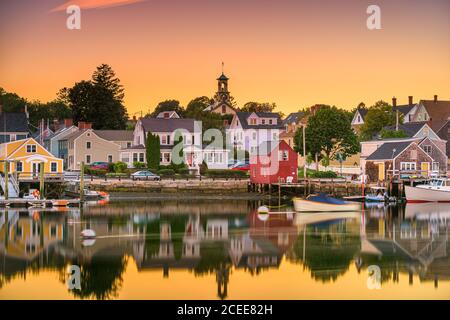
(170, 186)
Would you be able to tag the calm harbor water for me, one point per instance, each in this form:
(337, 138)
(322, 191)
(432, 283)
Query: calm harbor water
(223, 249)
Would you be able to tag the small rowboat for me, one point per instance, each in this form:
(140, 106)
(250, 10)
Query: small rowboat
(60, 203)
(324, 203)
(88, 234)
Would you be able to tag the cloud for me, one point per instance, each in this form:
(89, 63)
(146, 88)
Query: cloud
(95, 4)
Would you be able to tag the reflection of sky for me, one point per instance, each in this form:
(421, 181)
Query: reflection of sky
(294, 53)
(331, 275)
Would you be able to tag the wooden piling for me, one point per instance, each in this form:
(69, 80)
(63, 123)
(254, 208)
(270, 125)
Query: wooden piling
(41, 181)
(82, 182)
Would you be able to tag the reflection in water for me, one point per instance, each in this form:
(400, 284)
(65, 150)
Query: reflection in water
(220, 239)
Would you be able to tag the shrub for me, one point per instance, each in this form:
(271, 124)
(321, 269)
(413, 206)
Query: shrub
(216, 173)
(203, 168)
(139, 165)
(183, 171)
(166, 172)
(111, 167)
(120, 167)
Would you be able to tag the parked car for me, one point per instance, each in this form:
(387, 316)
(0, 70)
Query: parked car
(242, 167)
(99, 165)
(239, 163)
(145, 175)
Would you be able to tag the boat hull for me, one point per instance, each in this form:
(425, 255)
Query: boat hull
(417, 195)
(302, 205)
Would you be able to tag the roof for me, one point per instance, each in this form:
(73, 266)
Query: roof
(267, 147)
(13, 122)
(386, 150)
(115, 135)
(171, 114)
(410, 128)
(75, 134)
(404, 109)
(293, 118)
(167, 125)
(362, 112)
(439, 110)
(242, 116)
(223, 77)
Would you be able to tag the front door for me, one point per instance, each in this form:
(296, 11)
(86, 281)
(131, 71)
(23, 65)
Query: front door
(36, 168)
(424, 168)
(381, 171)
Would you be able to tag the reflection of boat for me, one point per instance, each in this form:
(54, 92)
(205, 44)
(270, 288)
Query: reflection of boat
(60, 203)
(427, 211)
(314, 218)
(322, 202)
(88, 234)
(437, 190)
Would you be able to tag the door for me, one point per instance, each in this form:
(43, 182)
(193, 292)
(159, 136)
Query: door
(381, 171)
(425, 169)
(36, 168)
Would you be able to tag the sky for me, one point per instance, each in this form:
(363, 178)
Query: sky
(294, 53)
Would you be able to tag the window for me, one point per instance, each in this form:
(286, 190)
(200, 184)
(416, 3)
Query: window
(427, 149)
(125, 157)
(128, 144)
(88, 158)
(31, 148)
(53, 167)
(359, 119)
(224, 109)
(88, 145)
(193, 139)
(275, 136)
(141, 157)
(110, 158)
(19, 166)
(283, 155)
(435, 166)
(53, 231)
(252, 121)
(163, 139)
(254, 135)
(270, 121)
(135, 157)
(407, 166)
(164, 157)
(263, 121)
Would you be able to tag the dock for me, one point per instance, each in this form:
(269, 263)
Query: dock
(25, 203)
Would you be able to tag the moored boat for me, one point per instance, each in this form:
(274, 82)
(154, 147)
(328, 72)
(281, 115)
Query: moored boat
(60, 203)
(324, 203)
(437, 190)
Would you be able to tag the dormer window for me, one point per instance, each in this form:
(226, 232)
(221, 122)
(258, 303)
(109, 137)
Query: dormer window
(270, 121)
(253, 121)
(31, 148)
(263, 121)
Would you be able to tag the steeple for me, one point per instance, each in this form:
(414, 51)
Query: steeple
(222, 93)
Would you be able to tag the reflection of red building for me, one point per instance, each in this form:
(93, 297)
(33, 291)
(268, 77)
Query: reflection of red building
(275, 161)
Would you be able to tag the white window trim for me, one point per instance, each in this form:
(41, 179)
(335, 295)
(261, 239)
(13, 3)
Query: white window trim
(403, 166)
(57, 167)
(31, 145)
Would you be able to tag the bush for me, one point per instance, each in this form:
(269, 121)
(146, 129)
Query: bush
(225, 173)
(166, 172)
(203, 168)
(117, 175)
(111, 167)
(120, 167)
(183, 171)
(139, 165)
(317, 174)
(94, 172)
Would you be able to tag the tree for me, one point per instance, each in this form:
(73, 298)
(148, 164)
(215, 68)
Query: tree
(153, 151)
(258, 107)
(209, 119)
(387, 134)
(167, 105)
(99, 100)
(378, 116)
(328, 132)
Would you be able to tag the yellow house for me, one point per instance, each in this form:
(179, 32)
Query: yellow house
(25, 158)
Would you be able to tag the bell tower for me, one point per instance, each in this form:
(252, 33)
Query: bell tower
(222, 94)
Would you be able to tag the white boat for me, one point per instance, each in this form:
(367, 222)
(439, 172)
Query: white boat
(88, 234)
(323, 203)
(437, 190)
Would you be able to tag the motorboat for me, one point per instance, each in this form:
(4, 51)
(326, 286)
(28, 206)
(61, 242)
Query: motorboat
(324, 203)
(379, 194)
(88, 234)
(436, 190)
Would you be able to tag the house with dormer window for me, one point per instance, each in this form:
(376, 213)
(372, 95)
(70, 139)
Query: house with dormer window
(249, 129)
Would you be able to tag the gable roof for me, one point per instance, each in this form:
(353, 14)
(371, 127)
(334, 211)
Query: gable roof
(386, 150)
(293, 118)
(167, 125)
(25, 142)
(115, 135)
(439, 110)
(13, 122)
(242, 116)
(410, 128)
(404, 109)
(171, 113)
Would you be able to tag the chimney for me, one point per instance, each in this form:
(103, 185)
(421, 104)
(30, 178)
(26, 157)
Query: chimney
(435, 98)
(410, 100)
(88, 125)
(68, 123)
(394, 102)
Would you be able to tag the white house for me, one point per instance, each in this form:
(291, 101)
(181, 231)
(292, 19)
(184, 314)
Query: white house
(249, 129)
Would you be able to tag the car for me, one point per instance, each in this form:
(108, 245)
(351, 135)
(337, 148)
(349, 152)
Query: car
(242, 167)
(145, 175)
(239, 163)
(99, 165)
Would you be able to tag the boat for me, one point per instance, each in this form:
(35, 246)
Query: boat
(379, 194)
(88, 234)
(324, 203)
(60, 203)
(436, 190)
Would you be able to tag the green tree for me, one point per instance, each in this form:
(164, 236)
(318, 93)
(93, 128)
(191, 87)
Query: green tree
(258, 107)
(387, 134)
(378, 116)
(194, 110)
(167, 105)
(327, 133)
(153, 150)
(99, 100)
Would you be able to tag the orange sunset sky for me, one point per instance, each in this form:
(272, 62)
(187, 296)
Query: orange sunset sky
(291, 52)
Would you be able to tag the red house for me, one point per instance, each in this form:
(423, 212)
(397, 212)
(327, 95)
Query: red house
(275, 161)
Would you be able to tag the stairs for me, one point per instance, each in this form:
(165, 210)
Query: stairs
(13, 186)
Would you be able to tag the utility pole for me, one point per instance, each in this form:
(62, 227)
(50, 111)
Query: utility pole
(396, 120)
(304, 152)
(6, 179)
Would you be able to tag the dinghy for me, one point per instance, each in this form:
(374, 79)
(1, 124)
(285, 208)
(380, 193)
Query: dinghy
(88, 234)
(324, 203)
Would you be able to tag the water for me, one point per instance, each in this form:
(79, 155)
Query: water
(222, 249)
